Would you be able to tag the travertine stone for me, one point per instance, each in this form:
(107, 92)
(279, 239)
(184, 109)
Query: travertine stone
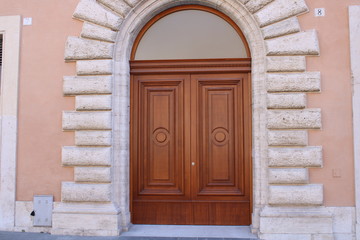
(295, 157)
(302, 43)
(118, 6)
(293, 82)
(87, 85)
(81, 49)
(86, 156)
(97, 32)
(294, 119)
(288, 175)
(256, 5)
(95, 138)
(279, 10)
(284, 27)
(94, 67)
(81, 192)
(93, 102)
(132, 2)
(286, 100)
(89, 10)
(92, 174)
(286, 64)
(292, 225)
(87, 120)
(307, 195)
(284, 236)
(287, 138)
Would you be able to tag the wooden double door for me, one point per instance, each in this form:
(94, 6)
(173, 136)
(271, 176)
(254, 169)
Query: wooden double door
(190, 146)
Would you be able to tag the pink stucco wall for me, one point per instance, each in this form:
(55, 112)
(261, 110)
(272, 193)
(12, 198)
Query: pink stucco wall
(41, 101)
(335, 100)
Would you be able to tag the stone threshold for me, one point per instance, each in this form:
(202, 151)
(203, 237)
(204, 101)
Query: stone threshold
(187, 232)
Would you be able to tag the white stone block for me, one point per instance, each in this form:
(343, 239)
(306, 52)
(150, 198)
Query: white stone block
(80, 48)
(286, 236)
(288, 138)
(295, 157)
(95, 138)
(323, 237)
(343, 219)
(86, 156)
(293, 82)
(302, 43)
(294, 119)
(87, 85)
(87, 120)
(279, 10)
(286, 64)
(307, 195)
(92, 174)
(94, 67)
(286, 100)
(256, 5)
(296, 225)
(97, 32)
(93, 102)
(82, 192)
(91, 11)
(132, 3)
(284, 27)
(118, 6)
(288, 175)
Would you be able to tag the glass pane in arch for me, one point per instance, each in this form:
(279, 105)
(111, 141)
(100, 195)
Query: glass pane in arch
(190, 34)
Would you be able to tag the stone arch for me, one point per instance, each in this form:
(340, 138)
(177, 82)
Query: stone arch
(281, 157)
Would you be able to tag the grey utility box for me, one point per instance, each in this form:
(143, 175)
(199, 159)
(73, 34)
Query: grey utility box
(43, 205)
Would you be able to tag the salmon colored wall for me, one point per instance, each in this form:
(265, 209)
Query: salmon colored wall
(335, 100)
(41, 101)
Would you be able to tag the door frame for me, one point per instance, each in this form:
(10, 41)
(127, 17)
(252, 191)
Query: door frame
(219, 66)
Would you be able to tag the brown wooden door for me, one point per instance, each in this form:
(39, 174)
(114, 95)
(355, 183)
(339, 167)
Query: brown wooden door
(190, 153)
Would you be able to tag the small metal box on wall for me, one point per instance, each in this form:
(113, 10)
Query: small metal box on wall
(43, 205)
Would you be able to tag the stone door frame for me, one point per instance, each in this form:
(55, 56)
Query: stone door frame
(281, 155)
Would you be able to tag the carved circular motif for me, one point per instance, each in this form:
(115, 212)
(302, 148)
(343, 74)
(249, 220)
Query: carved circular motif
(161, 136)
(220, 136)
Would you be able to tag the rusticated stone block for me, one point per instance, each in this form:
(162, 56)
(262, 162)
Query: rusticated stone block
(256, 5)
(288, 175)
(81, 49)
(295, 157)
(97, 32)
(132, 2)
(92, 174)
(286, 100)
(307, 195)
(95, 138)
(80, 192)
(87, 120)
(93, 102)
(91, 11)
(281, 28)
(287, 138)
(117, 6)
(94, 67)
(86, 156)
(279, 10)
(293, 82)
(302, 43)
(294, 119)
(87, 85)
(286, 64)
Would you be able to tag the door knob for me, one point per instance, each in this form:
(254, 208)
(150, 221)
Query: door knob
(193, 164)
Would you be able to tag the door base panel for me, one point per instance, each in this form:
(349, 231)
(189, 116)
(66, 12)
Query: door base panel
(191, 213)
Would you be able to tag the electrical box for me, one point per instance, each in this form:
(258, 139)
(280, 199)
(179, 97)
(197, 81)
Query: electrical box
(43, 205)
